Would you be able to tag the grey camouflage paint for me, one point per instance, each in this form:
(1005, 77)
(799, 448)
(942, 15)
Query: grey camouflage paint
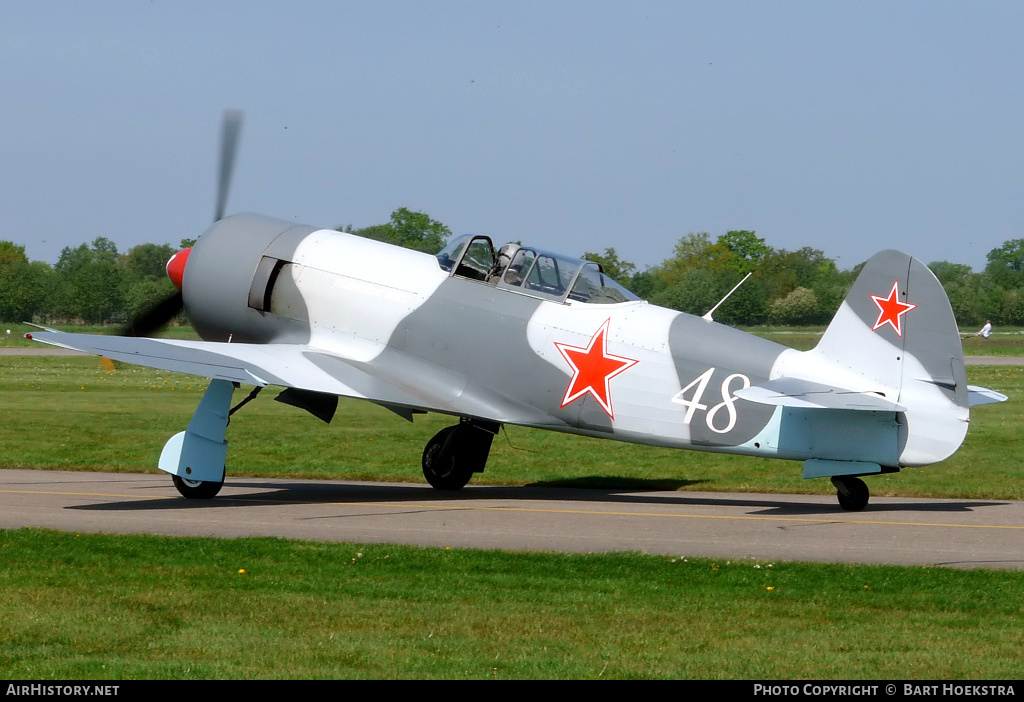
(219, 275)
(464, 351)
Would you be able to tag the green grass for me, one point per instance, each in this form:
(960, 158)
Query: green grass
(1008, 344)
(118, 607)
(1005, 341)
(115, 607)
(66, 413)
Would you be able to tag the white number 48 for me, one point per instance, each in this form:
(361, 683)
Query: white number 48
(699, 385)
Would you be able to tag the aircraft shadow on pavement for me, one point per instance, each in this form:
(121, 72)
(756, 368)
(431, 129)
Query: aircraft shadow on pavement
(273, 492)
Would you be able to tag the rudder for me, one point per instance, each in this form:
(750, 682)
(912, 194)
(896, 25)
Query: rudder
(895, 336)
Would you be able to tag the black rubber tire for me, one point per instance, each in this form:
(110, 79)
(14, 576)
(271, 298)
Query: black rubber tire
(196, 489)
(444, 466)
(852, 493)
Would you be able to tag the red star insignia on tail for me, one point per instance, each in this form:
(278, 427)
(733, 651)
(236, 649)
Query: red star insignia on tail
(891, 310)
(592, 369)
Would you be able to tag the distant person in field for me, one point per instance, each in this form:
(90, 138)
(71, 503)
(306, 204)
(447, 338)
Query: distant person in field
(985, 330)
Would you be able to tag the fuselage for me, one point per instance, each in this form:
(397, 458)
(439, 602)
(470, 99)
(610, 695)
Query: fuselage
(624, 370)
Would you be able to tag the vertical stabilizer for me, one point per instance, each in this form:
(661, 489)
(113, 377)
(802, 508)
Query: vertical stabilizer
(895, 336)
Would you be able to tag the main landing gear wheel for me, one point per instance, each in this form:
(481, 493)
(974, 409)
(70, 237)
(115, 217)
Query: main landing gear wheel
(853, 494)
(445, 464)
(196, 489)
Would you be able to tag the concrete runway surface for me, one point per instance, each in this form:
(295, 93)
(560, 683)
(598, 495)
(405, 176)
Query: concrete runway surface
(907, 531)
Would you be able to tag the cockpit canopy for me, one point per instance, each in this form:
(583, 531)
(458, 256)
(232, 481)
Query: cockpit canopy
(530, 271)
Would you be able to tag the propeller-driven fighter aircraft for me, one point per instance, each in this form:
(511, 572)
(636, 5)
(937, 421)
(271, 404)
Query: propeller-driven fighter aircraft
(528, 337)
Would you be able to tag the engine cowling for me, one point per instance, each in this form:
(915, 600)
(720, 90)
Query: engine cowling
(224, 271)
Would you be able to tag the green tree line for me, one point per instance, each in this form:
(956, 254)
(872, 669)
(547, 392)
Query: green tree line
(90, 284)
(803, 287)
(96, 284)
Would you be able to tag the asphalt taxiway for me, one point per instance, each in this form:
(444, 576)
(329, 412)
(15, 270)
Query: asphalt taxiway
(955, 533)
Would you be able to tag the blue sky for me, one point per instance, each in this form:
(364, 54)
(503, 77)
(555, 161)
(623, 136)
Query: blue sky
(845, 126)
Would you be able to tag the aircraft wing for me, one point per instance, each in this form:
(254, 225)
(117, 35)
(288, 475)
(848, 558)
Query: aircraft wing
(793, 392)
(288, 365)
(398, 382)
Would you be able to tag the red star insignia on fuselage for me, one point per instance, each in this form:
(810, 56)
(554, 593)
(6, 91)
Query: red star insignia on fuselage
(891, 310)
(592, 369)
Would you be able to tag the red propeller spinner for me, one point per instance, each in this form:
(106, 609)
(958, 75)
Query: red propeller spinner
(176, 267)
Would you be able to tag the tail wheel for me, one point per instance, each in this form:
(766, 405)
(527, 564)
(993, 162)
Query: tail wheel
(852, 493)
(196, 489)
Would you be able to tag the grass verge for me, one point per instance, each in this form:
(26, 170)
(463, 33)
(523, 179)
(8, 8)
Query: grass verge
(146, 607)
(140, 607)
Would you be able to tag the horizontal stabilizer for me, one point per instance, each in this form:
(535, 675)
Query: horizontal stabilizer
(793, 392)
(983, 396)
